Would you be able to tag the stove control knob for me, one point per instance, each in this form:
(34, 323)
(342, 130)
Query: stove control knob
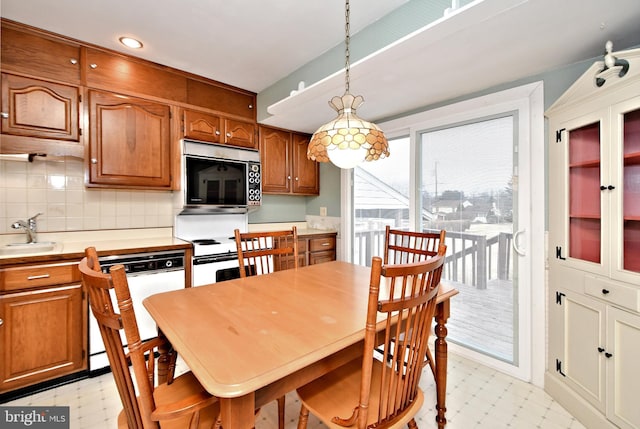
(168, 264)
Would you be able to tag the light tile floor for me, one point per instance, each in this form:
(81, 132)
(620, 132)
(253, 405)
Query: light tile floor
(477, 397)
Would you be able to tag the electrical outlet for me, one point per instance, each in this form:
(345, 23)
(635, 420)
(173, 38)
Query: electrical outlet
(323, 211)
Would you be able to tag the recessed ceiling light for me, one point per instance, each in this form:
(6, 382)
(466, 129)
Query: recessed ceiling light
(130, 42)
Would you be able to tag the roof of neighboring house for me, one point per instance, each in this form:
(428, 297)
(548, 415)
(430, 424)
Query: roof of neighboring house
(372, 193)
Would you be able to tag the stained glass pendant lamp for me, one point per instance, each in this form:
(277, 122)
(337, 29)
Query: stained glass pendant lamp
(347, 140)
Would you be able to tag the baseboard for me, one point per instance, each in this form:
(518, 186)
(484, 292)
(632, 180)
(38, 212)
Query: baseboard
(589, 416)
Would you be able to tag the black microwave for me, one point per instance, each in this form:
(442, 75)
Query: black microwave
(220, 178)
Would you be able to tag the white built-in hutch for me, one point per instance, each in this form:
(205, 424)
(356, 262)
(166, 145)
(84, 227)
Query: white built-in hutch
(593, 366)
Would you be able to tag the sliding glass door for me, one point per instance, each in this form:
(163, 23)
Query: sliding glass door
(467, 177)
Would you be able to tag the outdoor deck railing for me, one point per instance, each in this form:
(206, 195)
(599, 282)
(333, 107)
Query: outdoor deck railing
(472, 259)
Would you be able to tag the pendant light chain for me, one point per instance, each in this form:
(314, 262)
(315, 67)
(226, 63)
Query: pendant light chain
(348, 139)
(346, 49)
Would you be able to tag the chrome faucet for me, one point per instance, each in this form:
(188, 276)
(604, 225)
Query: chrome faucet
(30, 227)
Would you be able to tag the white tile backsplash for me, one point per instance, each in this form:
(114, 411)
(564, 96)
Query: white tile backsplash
(57, 190)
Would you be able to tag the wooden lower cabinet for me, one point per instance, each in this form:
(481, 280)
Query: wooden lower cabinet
(41, 336)
(316, 248)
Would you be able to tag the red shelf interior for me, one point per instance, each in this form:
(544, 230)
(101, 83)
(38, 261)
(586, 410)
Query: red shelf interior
(584, 144)
(584, 239)
(584, 191)
(632, 246)
(632, 191)
(632, 132)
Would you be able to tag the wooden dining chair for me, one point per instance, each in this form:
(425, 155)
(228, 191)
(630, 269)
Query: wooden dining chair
(162, 401)
(263, 253)
(266, 252)
(403, 247)
(370, 392)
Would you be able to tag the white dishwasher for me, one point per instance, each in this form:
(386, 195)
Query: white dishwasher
(147, 274)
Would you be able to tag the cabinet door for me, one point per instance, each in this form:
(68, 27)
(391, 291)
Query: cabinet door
(240, 133)
(579, 222)
(130, 143)
(37, 108)
(222, 98)
(41, 336)
(202, 126)
(576, 354)
(305, 172)
(275, 158)
(626, 197)
(30, 53)
(622, 368)
(114, 72)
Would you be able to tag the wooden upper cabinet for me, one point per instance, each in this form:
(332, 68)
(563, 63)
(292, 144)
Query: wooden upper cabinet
(285, 167)
(202, 126)
(111, 71)
(275, 156)
(129, 141)
(211, 128)
(37, 108)
(240, 133)
(222, 98)
(31, 53)
(306, 173)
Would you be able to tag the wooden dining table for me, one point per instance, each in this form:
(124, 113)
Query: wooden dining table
(250, 341)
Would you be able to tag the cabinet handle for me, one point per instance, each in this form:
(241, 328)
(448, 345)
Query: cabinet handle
(228, 135)
(602, 187)
(1, 322)
(611, 187)
(217, 133)
(250, 106)
(94, 161)
(4, 115)
(297, 179)
(73, 61)
(325, 244)
(608, 355)
(600, 349)
(41, 276)
(93, 66)
(288, 177)
(605, 291)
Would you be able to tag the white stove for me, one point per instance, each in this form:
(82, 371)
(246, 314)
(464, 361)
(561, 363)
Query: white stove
(215, 256)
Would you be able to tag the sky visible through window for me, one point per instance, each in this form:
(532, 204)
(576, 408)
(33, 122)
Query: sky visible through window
(475, 158)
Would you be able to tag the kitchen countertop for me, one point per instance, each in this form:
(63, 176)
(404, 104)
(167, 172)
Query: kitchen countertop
(71, 245)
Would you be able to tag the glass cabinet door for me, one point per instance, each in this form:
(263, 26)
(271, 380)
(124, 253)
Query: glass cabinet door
(631, 189)
(585, 225)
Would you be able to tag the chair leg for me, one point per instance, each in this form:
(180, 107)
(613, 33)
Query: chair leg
(304, 417)
(281, 412)
(412, 424)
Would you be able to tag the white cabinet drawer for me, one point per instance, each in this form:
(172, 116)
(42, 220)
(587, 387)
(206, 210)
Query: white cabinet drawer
(615, 293)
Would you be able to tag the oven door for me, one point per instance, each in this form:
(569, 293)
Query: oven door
(215, 268)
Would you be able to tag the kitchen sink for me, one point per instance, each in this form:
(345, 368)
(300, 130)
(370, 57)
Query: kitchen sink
(22, 248)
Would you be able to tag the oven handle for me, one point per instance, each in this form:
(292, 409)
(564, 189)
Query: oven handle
(201, 260)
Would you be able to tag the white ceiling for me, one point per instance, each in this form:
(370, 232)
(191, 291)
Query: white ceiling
(254, 43)
(250, 44)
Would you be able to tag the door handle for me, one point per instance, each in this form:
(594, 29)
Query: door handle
(514, 242)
